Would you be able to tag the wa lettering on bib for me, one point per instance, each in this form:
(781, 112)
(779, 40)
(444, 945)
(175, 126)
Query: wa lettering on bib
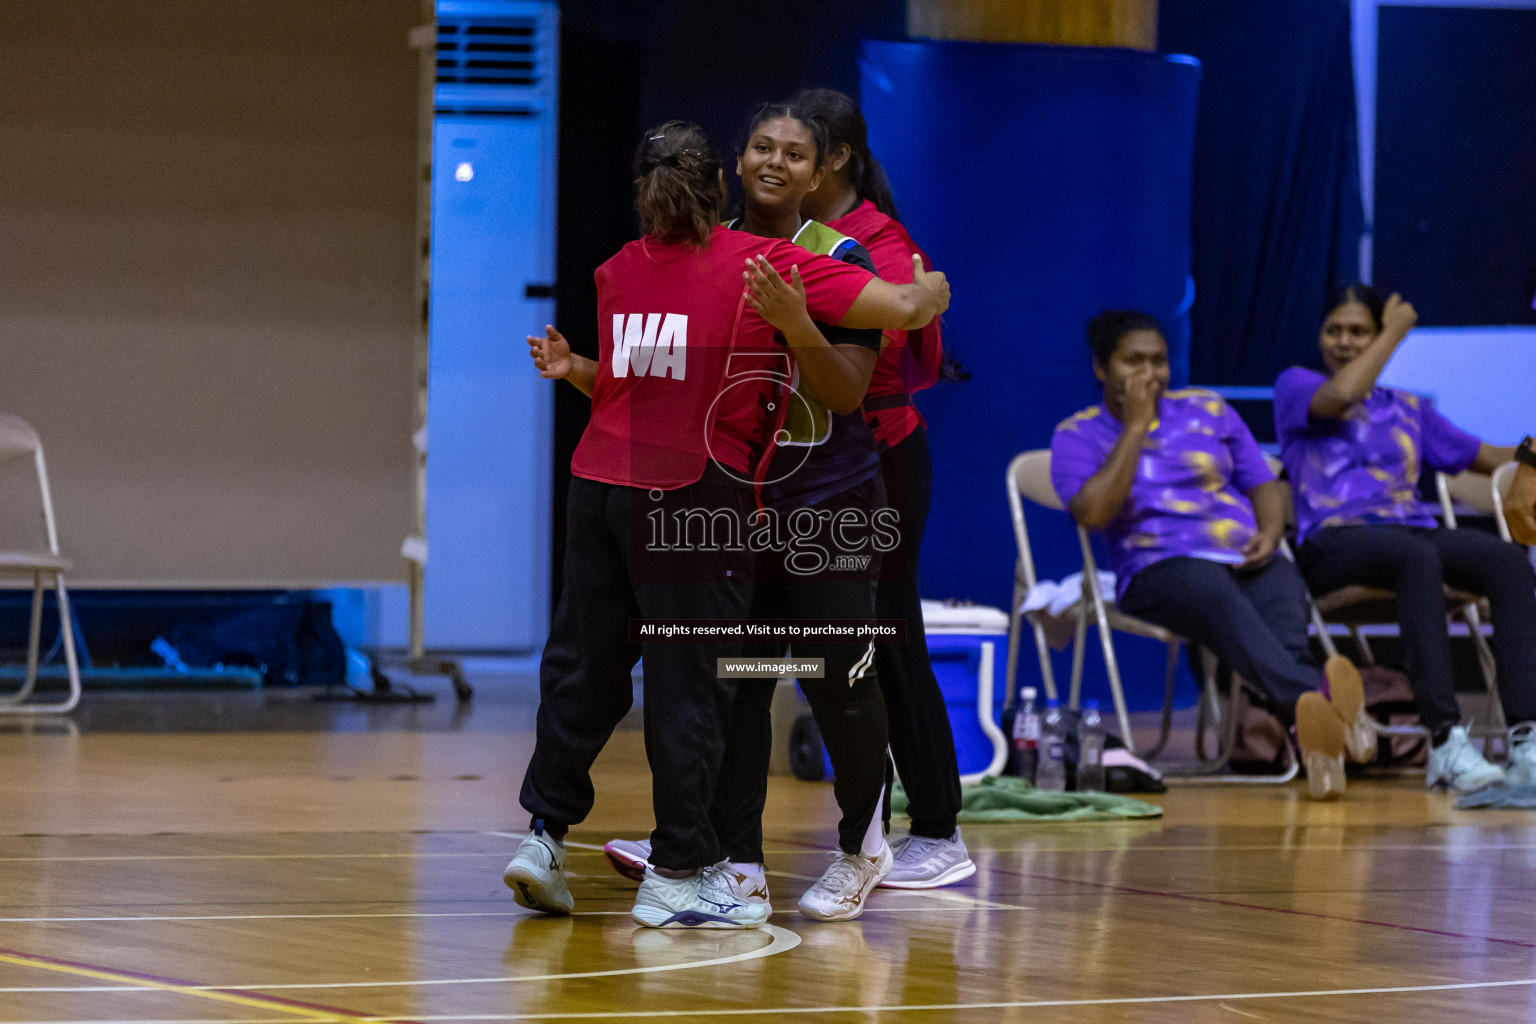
(650, 345)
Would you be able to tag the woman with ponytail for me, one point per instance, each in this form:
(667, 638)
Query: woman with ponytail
(854, 197)
(666, 435)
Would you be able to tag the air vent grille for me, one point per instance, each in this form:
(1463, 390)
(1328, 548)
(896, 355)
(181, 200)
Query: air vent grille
(493, 52)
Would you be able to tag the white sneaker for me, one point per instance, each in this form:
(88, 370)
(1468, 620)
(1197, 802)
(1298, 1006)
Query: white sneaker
(705, 899)
(629, 857)
(751, 889)
(536, 876)
(1522, 756)
(838, 894)
(918, 862)
(1457, 765)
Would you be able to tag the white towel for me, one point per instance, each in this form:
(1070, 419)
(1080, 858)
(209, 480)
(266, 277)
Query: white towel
(1054, 605)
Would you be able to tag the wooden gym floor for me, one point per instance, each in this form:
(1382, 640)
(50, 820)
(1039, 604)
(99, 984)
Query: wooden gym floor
(262, 858)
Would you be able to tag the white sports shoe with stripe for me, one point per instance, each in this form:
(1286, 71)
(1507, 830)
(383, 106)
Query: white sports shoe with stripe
(712, 897)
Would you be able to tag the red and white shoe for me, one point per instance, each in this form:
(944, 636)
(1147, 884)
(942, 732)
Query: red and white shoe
(629, 857)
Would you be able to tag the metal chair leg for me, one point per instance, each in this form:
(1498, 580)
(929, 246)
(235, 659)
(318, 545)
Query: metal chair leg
(71, 660)
(1043, 649)
(1015, 625)
(34, 646)
(1112, 669)
(1498, 724)
(1079, 642)
(12, 704)
(1165, 724)
(1366, 657)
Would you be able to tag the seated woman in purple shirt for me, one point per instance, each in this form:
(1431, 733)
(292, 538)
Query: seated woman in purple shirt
(1193, 515)
(1354, 452)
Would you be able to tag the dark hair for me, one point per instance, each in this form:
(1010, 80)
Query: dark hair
(1357, 292)
(774, 111)
(845, 127)
(1106, 330)
(677, 184)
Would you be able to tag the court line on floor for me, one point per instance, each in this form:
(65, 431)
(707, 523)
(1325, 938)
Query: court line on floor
(913, 1008)
(1235, 904)
(783, 940)
(960, 903)
(138, 982)
(940, 1007)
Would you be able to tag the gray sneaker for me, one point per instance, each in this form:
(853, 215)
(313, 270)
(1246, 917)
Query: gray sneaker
(1457, 765)
(705, 899)
(536, 876)
(1522, 757)
(921, 863)
(838, 895)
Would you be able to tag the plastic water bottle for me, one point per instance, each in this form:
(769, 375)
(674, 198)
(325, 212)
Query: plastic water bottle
(1090, 748)
(1026, 735)
(1052, 772)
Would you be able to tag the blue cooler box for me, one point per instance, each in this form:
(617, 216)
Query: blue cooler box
(965, 644)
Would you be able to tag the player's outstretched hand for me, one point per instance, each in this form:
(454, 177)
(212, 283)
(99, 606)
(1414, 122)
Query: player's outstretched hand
(551, 353)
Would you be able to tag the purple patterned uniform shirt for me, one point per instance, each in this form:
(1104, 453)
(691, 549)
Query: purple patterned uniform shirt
(1190, 493)
(1363, 467)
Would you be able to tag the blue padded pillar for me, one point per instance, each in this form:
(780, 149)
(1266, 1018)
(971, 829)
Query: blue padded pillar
(1048, 182)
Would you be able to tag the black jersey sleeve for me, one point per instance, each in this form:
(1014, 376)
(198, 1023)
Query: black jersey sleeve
(862, 337)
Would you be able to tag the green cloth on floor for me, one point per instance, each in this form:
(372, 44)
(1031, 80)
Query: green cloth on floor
(1007, 798)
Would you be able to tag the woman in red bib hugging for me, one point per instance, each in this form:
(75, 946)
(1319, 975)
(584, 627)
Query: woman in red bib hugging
(668, 436)
(1354, 452)
(1192, 516)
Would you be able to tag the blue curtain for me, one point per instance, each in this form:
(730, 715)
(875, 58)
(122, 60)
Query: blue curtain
(1455, 150)
(1276, 216)
(1048, 182)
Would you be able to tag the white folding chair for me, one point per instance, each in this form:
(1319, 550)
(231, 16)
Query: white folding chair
(1499, 484)
(1029, 477)
(1356, 607)
(18, 440)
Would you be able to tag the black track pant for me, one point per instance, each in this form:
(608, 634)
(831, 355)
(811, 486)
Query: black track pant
(611, 577)
(921, 740)
(1254, 621)
(1417, 562)
(847, 703)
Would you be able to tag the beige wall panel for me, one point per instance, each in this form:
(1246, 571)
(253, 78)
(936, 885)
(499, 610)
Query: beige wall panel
(207, 304)
(1129, 23)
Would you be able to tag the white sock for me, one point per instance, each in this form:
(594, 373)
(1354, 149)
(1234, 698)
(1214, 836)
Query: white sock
(874, 835)
(750, 869)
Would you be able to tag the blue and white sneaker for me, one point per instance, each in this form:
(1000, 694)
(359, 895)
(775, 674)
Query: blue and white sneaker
(712, 897)
(629, 857)
(1459, 766)
(536, 876)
